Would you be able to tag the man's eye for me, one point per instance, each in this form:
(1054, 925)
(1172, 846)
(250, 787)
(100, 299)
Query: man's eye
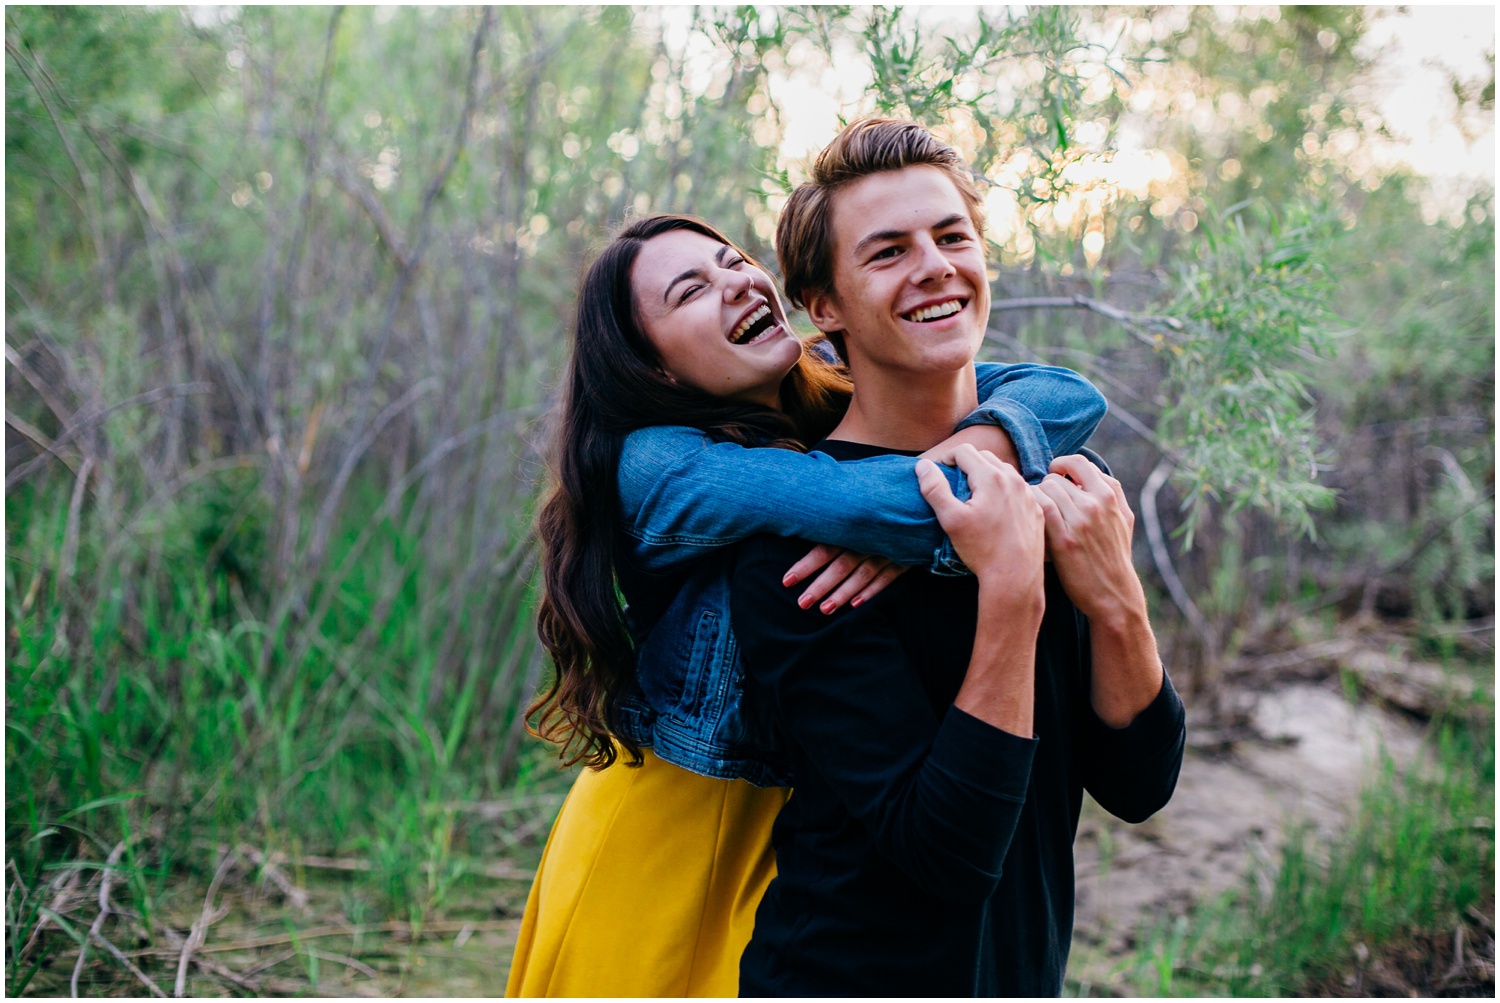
(885, 252)
(953, 238)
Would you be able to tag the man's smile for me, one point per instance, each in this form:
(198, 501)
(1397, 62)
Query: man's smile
(946, 307)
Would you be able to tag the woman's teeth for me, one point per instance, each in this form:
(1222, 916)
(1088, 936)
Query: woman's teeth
(753, 327)
(947, 309)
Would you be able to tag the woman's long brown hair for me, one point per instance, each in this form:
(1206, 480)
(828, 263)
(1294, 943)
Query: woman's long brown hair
(613, 385)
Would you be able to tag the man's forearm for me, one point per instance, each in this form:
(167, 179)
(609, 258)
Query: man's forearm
(1126, 670)
(1000, 686)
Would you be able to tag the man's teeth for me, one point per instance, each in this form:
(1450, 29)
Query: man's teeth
(752, 325)
(934, 312)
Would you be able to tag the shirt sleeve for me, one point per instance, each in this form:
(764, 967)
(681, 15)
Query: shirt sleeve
(1132, 771)
(1047, 411)
(940, 794)
(683, 494)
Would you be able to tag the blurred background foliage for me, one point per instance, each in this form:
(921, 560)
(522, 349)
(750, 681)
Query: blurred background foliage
(287, 290)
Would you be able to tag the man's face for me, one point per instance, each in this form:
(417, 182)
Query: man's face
(910, 287)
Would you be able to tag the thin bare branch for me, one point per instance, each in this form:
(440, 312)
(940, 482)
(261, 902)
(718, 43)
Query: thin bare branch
(349, 183)
(63, 886)
(54, 403)
(199, 933)
(272, 872)
(502, 871)
(175, 941)
(86, 422)
(1146, 328)
(396, 927)
(37, 436)
(130, 966)
(343, 959)
(1163, 557)
(75, 515)
(107, 875)
(460, 139)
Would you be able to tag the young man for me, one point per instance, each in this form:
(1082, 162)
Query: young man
(941, 734)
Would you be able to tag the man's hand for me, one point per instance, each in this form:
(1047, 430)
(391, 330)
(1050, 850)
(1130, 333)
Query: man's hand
(860, 577)
(1089, 526)
(999, 531)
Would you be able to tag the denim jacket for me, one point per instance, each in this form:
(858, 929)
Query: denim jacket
(685, 497)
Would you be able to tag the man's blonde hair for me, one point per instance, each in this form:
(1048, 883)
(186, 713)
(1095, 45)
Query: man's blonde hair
(804, 234)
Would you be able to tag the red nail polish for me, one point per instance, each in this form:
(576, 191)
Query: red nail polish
(828, 607)
(804, 601)
(857, 600)
(788, 579)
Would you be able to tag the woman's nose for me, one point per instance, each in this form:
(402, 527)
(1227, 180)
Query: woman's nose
(734, 283)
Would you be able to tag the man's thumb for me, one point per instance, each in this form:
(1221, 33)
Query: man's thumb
(934, 486)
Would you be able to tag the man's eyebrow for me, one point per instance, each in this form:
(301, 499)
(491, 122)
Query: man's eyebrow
(723, 250)
(875, 238)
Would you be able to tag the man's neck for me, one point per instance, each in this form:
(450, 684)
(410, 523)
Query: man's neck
(902, 410)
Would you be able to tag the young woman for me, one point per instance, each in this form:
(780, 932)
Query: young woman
(684, 367)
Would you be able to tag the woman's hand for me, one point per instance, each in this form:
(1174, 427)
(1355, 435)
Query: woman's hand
(847, 575)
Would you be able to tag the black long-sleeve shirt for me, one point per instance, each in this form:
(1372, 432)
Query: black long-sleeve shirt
(923, 851)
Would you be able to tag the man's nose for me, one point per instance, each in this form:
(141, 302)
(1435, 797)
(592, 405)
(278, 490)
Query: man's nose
(931, 262)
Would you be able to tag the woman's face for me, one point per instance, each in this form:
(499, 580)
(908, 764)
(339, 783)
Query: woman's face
(713, 317)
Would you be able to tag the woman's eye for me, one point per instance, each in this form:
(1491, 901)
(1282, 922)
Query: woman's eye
(686, 293)
(734, 263)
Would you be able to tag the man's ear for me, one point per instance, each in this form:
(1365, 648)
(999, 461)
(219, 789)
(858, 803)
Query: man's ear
(824, 311)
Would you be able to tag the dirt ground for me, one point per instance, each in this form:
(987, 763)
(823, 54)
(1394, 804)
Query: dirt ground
(1304, 763)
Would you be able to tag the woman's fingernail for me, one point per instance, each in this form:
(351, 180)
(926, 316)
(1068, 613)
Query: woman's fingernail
(857, 600)
(788, 579)
(804, 601)
(828, 606)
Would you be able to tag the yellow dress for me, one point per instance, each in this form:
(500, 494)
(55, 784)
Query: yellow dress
(648, 885)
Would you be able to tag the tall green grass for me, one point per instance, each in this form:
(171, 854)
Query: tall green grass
(1418, 853)
(141, 711)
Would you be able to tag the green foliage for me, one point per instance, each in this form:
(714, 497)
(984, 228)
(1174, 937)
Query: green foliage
(1012, 81)
(1248, 312)
(156, 727)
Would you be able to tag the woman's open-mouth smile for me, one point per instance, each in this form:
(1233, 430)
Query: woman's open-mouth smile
(755, 326)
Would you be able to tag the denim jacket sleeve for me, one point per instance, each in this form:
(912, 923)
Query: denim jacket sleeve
(1047, 411)
(683, 494)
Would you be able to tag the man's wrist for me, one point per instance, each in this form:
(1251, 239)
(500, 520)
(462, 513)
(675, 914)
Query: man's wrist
(1121, 619)
(1004, 601)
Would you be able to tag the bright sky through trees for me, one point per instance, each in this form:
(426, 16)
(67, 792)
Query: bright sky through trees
(1418, 51)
